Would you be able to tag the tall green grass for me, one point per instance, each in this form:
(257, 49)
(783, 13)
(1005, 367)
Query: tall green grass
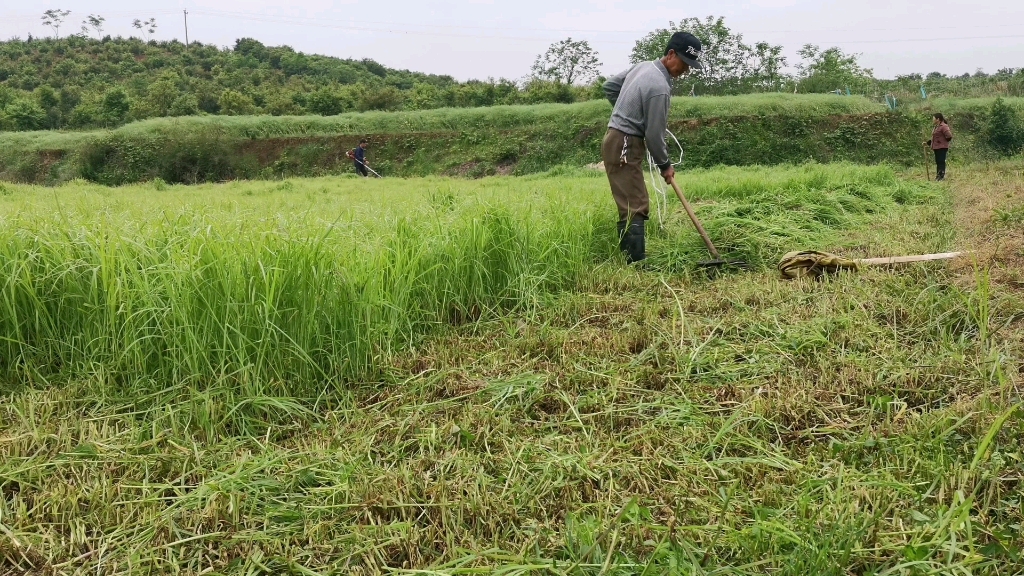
(761, 129)
(321, 281)
(448, 119)
(953, 106)
(635, 423)
(741, 130)
(761, 213)
(265, 292)
(507, 117)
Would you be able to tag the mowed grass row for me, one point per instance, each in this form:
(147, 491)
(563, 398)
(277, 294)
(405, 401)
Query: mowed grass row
(630, 423)
(459, 119)
(741, 130)
(311, 283)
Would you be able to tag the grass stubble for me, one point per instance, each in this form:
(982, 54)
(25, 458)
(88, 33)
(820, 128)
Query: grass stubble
(522, 403)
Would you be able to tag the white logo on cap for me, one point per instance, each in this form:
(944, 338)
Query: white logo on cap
(692, 50)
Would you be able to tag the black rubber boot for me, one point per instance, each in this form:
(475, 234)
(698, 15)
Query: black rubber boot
(633, 242)
(622, 235)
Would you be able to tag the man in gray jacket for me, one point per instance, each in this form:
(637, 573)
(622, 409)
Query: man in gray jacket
(641, 97)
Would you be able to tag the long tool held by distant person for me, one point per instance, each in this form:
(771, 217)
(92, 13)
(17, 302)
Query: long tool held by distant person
(364, 165)
(718, 261)
(927, 168)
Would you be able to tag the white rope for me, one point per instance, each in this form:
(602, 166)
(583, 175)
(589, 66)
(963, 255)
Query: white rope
(660, 189)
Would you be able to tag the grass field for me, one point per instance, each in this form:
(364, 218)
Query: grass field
(742, 130)
(955, 106)
(437, 376)
(760, 129)
(314, 278)
(490, 118)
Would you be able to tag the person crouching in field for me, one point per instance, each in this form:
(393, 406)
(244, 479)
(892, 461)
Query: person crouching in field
(640, 98)
(941, 137)
(359, 158)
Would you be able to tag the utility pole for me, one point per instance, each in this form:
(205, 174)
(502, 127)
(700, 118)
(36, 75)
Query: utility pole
(186, 28)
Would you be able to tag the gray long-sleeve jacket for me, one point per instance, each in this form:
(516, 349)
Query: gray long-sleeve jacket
(641, 97)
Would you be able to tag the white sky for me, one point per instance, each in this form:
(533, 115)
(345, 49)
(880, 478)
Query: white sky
(501, 38)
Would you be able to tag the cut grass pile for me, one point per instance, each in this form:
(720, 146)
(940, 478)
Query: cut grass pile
(595, 421)
(758, 214)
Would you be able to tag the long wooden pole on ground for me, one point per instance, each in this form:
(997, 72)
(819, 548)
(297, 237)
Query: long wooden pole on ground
(908, 259)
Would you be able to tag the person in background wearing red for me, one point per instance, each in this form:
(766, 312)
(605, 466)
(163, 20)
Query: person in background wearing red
(941, 137)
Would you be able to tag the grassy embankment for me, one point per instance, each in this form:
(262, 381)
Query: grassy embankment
(276, 377)
(757, 129)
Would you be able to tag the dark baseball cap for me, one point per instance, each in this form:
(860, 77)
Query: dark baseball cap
(687, 47)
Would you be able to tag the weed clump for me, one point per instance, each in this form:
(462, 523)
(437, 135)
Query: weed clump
(1005, 128)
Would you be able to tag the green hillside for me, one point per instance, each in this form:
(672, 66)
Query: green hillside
(761, 129)
(78, 83)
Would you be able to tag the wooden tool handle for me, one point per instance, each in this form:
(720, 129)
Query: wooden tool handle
(927, 168)
(909, 259)
(693, 218)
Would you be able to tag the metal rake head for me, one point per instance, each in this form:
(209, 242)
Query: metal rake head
(719, 264)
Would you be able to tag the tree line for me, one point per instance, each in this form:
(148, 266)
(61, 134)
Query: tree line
(734, 66)
(83, 82)
(90, 80)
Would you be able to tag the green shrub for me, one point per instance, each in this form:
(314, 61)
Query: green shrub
(184, 105)
(197, 157)
(325, 102)
(545, 91)
(282, 105)
(379, 98)
(7, 96)
(1015, 86)
(119, 159)
(86, 114)
(23, 115)
(1005, 128)
(234, 103)
(116, 106)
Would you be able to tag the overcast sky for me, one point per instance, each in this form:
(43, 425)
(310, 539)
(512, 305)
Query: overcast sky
(501, 38)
